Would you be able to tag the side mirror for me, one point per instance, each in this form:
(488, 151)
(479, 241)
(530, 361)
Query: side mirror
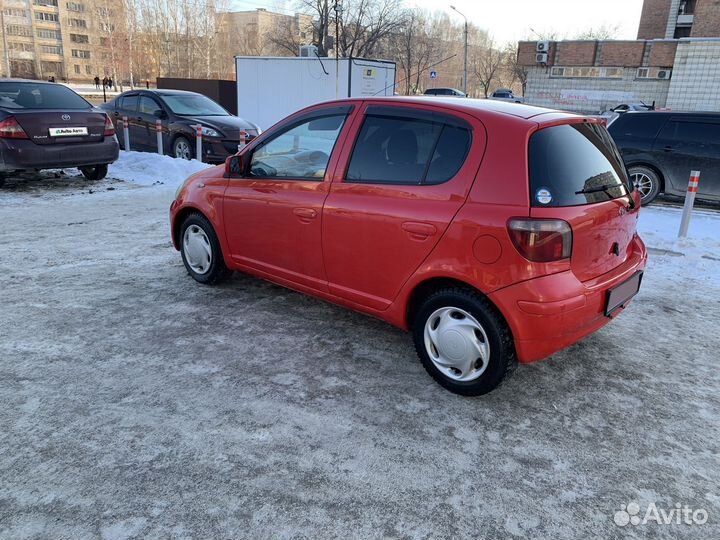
(159, 113)
(235, 165)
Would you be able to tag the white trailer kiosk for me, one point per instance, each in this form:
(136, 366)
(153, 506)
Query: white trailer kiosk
(271, 88)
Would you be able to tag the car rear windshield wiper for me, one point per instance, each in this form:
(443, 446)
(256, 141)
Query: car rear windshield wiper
(606, 188)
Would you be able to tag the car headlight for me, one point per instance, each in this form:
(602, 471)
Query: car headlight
(210, 132)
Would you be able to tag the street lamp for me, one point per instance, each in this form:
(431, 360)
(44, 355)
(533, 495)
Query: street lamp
(466, 49)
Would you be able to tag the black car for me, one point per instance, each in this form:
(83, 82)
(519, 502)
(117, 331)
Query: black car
(179, 111)
(661, 148)
(45, 125)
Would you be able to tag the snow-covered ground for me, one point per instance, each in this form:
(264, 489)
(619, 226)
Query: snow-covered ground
(138, 404)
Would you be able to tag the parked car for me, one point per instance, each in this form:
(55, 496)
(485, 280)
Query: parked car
(452, 92)
(179, 111)
(661, 148)
(419, 212)
(44, 125)
(505, 94)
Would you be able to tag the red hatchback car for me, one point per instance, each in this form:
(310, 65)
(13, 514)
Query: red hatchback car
(494, 232)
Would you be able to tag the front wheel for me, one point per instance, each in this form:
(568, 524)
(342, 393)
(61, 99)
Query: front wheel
(95, 172)
(201, 252)
(646, 182)
(463, 342)
(182, 148)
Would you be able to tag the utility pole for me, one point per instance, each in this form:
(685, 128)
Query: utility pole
(337, 8)
(4, 38)
(465, 78)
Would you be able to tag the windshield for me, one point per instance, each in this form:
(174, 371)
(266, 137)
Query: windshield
(575, 164)
(23, 96)
(193, 105)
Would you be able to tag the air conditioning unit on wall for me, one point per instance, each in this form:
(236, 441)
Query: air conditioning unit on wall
(541, 57)
(542, 46)
(664, 74)
(653, 73)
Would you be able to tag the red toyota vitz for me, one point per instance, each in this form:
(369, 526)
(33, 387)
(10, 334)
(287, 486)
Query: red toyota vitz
(494, 232)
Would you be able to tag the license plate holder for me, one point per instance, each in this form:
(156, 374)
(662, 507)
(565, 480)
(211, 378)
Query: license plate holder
(620, 294)
(68, 132)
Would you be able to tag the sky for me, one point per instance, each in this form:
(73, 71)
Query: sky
(511, 20)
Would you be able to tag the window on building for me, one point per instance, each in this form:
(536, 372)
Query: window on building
(77, 23)
(51, 49)
(88, 70)
(49, 17)
(79, 38)
(17, 30)
(16, 12)
(52, 67)
(586, 72)
(103, 41)
(104, 12)
(47, 34)
(107, 27)
(407, 150)
(45, 2)
(18, 46)
(78, 53)
(77, 69)
(682, 32)
(75, 6)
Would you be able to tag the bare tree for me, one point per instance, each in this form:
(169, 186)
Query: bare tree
(516, 73)
(486, 65)
(601, 32)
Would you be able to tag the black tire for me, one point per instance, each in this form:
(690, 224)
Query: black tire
(216, 271)
(95, 172)
(182, 148)
(646, 181)
(502, 358)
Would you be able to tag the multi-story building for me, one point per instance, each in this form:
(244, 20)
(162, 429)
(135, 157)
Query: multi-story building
(674, 63)
(69, 40)
(264, 33)
(675, 19)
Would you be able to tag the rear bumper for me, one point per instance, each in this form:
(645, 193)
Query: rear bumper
(552, 312)
(20, 154)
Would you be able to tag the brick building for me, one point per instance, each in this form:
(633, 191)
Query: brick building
(675, 62)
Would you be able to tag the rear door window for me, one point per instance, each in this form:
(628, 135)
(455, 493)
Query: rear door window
(695, 131)
(148, 105)
(407, 150)
(575, 164)
(637, 126)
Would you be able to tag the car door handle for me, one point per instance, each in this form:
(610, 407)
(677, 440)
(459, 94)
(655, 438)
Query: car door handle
(305, 214)
(418, 230)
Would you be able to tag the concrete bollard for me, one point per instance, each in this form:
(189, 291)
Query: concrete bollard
(158, 134)
(198, 142)
(689, 203)
(243, 140)
(126, 132)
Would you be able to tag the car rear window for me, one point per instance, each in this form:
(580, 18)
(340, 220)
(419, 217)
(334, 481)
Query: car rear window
(575, 164)
(23, 96)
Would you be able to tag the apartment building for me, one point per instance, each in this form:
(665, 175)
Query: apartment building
(68, 40)
(264, 33)
(675, 19)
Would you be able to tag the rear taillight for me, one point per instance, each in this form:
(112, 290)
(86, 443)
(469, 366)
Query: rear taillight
(10, 129)
(109, 127)
(541, 240)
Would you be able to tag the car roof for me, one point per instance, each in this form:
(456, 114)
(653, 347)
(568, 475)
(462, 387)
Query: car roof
(159, 92)
(712, 114)
(475, 106)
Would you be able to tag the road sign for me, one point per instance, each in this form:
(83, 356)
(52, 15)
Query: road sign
(433, 74)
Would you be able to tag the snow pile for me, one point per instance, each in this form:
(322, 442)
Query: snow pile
(147, 169)
(695, 257)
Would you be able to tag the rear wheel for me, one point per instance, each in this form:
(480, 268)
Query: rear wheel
(95, 172)
(182, 148)
(201, 252)
(463, 342)
(646, 182)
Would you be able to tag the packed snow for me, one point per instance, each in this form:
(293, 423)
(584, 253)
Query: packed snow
(147, 169)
